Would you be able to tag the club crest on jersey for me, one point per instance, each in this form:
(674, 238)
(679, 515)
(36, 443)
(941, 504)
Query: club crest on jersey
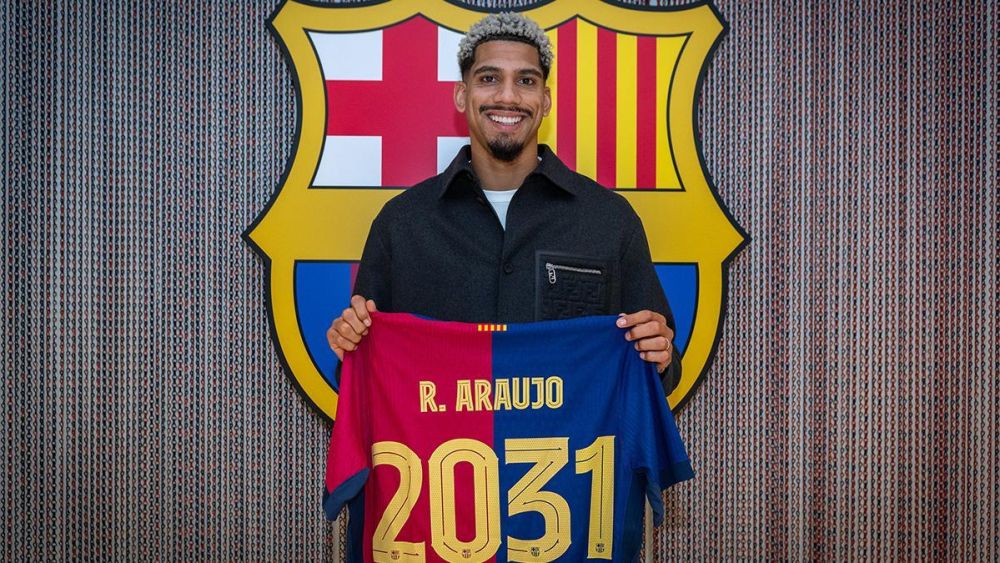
(374, 87)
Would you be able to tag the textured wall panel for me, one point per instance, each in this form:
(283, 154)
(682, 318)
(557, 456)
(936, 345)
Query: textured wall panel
(852, 409)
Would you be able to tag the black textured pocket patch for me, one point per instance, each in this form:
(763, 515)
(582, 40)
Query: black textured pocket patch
(570, 286)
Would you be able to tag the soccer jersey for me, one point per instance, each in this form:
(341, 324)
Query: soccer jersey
(521, 442)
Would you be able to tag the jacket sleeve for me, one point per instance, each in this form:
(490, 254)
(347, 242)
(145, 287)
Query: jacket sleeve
(641, 289)
(374, 279)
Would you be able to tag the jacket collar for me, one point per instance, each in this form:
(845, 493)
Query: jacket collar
(549, 167)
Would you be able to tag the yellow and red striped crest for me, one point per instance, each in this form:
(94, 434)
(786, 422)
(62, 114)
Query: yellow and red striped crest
(610, 94)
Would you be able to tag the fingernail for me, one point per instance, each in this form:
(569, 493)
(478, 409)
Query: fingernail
(636, 345)
(642, 355)
(368, 322)
(621, 321)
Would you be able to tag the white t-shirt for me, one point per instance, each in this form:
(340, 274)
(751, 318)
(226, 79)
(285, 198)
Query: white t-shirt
(500, 200)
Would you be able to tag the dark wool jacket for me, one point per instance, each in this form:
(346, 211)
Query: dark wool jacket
(571, 248)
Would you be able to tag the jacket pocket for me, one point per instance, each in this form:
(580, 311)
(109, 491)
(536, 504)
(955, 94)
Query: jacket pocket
(568, 286)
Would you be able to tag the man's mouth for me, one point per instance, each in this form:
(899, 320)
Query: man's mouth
(505, 116)
(505, 120)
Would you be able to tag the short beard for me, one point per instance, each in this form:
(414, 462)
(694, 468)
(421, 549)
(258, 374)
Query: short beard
(505, 149)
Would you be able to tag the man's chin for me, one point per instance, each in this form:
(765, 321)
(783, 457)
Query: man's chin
(506, 151)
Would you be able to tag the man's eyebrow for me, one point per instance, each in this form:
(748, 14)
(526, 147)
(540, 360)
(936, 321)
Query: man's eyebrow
(483, 69)
(529, 70)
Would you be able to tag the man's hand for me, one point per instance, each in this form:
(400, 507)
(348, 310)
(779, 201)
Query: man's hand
(346, 331)
(653, 338)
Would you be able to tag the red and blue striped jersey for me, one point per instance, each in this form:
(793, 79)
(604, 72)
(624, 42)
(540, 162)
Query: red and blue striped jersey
(521, 442)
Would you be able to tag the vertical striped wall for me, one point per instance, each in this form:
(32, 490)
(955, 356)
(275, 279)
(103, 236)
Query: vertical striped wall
(852, 409)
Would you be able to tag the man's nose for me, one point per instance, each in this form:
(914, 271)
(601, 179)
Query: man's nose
(507, 93)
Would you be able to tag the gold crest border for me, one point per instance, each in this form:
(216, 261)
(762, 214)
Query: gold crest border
(712, 236)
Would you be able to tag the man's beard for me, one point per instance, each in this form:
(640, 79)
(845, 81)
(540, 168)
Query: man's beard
(505, 149)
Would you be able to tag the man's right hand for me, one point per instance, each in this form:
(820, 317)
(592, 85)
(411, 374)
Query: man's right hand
(347, 330)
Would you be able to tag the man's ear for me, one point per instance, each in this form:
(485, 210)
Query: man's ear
(547, 102)
(460, 96)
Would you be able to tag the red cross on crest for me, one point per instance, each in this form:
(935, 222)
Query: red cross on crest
(409, 108)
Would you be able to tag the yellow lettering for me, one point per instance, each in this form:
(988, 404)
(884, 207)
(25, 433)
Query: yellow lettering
(521, 393)
(385, 547)
(554, 392)
(548, 456)
(598, 459)
(427, 390)
(483, 390)
(463, 396)
(539, 384)
(444, 517)
(501, 394)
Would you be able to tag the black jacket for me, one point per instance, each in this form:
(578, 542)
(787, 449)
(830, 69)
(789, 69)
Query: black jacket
(571, 248)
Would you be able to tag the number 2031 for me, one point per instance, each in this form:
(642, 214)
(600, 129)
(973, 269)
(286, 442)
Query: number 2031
(548, 456)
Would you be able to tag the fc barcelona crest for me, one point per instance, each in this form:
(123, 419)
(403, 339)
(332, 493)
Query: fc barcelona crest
(623, 86)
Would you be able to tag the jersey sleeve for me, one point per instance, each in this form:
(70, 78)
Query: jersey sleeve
(348, 461)
(652, 444)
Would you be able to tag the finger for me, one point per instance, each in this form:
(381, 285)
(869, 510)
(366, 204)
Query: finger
(652, 344)
(626, 321)
(331, 337)
(370, 305)
(646, 330)
(345, 344)
(630, 320)
(347, 332)
(658, 358)
(339, 352)
(361, 310)
(351, 318)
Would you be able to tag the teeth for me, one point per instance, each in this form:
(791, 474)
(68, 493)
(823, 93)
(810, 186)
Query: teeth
(506, 120)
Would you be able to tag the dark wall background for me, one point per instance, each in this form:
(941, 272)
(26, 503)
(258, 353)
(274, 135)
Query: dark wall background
(852, 410)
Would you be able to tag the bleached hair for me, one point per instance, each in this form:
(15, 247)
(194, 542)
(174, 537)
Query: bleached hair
(505, 26)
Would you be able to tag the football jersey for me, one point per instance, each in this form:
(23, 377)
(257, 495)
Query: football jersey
(521, 442)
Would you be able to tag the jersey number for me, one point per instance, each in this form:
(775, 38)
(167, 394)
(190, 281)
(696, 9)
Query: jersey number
(548, 455)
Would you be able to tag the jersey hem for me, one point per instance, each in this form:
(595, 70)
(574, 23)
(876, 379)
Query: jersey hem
(676, 473)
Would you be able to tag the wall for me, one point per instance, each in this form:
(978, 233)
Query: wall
(851, 411)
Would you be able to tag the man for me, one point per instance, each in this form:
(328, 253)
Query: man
(507, 233)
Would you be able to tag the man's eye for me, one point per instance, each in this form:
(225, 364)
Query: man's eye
(488, 78)
(527, 81)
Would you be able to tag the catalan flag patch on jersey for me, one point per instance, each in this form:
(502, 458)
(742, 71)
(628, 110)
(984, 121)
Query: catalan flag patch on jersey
(526, 442)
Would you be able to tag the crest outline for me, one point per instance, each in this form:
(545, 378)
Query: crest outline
(353, 208)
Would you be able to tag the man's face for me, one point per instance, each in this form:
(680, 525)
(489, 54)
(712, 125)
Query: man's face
(504, 98)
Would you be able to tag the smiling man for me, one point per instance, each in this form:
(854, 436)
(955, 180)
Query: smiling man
(507, 233)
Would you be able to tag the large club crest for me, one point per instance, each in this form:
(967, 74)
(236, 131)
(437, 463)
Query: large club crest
(368, 77)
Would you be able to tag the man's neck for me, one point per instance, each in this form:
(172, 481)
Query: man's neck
(496, 174)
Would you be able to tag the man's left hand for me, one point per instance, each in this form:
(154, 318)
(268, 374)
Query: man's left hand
(653, 338)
